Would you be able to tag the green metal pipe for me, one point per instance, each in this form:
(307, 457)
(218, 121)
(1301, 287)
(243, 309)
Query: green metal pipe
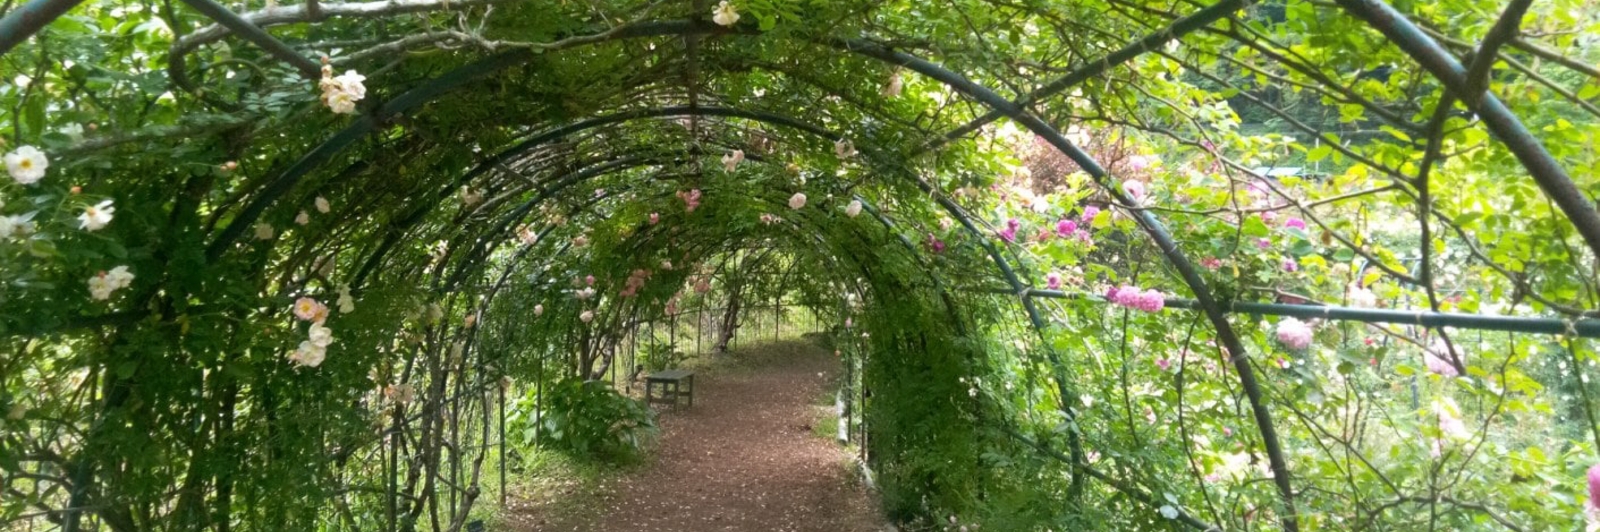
(1096, 67)
(1585, 328)
(28, 19)
(1146, 220)
(227, 18)
(403, 103)
(1551, 177)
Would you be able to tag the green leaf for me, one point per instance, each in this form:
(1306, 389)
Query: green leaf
(125, 369)
(42, 248)
(1319, 153)
(1102, 220)
(34, 115)
(1396, 133)
(1254, 227)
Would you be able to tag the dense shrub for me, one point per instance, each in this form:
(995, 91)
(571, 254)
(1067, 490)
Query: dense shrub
(589, 420)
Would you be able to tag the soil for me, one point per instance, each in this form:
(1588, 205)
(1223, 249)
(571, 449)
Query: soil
(744, 458)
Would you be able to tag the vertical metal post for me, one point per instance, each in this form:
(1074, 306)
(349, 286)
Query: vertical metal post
(455, 434)
(846, 397)
(861, 404)
(633, 356)
(538, 401)
(394, 469)
(502, 446)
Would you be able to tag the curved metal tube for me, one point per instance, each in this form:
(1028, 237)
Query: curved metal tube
(1147, 221)
(1036, 319)
(1543, 167)
(1546, 171)
(28, 19)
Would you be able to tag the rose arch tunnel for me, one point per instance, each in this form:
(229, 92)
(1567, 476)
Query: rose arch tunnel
(1100, 264)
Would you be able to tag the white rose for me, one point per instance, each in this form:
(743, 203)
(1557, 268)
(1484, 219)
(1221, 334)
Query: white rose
(27, 165)
(320, 336)
(264, 231)
(725, 14)
(97, 216)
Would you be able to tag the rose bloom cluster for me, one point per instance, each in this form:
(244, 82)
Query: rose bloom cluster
(1149, 300)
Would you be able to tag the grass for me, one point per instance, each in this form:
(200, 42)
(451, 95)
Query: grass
(549, 487)
(826, 424)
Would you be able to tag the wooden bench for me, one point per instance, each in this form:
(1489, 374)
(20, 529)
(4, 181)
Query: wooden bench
(671, 384)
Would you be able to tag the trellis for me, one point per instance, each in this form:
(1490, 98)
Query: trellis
(1469, 81)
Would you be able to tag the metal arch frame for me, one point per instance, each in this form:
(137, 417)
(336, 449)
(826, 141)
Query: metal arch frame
(823, 243)
(761, 116)
(498, 161)
(1152, 227)
(795, 226)
(407, 101)
(601, 169)
(592, 201)
(1546, 171)
(606, 168)
(505, 276)
(1008, 273)
(470, 72)
(456, 78)
(623, 161)
(955, 210)
(396, 227)
(473, 71)
(538, 139)
(508, 219)
(557, 184)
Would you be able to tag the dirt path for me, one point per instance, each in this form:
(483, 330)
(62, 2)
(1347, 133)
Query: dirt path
(745, 458)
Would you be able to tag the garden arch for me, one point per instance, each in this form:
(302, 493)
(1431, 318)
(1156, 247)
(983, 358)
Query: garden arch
(1467, 84)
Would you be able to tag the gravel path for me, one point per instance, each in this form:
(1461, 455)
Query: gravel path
(745, 458)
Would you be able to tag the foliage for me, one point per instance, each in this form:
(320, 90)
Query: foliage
(489, 246)
(659, 356)
(590, 420)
